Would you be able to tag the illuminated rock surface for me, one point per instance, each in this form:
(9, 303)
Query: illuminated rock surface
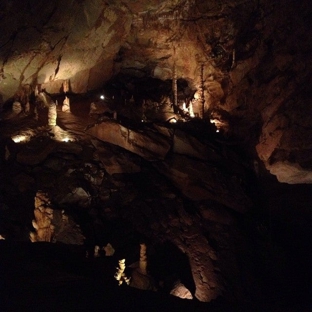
(204, 195)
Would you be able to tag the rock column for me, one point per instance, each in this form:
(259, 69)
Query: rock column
(52, 114)
(43, 219)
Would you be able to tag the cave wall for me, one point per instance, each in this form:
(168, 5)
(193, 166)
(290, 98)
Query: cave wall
(255, 58)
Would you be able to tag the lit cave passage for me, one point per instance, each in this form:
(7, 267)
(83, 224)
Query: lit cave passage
(155, 156)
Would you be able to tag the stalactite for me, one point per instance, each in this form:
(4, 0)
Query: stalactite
(66, 86)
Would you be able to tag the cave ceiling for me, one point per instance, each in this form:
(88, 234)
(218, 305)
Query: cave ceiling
(255, 58)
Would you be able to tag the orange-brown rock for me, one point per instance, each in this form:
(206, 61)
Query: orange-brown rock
(148, 144)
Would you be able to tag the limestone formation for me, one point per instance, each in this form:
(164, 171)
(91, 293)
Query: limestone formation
(200, 181)
(109, 250)
(66, 105)
(143, 259)
(149, 144)
(120, 275)
(179, 290)
(66, 86)
(245, 65)
(16, 108)
(99, 108)
(52, 114)
(139, 277)
(43, 219)
(36, 151)
(96, 251)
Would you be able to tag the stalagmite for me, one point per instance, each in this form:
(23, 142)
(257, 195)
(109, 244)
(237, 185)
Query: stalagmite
(7, 153)
(52, 114)
(202, 92)
(120, 275)
(96, 251)
(17, 107)
(191, 111)
(66, 105)
(36, 113)
(233, 59)
(174, 84)
(43, 219)
(143, 259)
(109, 250)
(27, 108)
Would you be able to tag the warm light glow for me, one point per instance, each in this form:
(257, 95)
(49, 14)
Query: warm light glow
(173, 120)
(102, 97)
(19, 138)
(217, 130)
(62, 135)
(1, 237)
(184, 106)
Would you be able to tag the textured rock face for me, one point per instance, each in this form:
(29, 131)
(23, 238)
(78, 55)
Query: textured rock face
(250, 59)
(49, 43)
(200, 181)
(148, 144)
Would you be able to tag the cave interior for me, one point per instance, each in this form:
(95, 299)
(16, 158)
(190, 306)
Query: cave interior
(156, 155)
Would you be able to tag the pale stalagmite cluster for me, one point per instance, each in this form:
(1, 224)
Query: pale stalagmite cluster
(120, 275)
(43, 219)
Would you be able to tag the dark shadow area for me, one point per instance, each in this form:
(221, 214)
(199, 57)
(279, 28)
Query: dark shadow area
(168, 264)
(56, 277)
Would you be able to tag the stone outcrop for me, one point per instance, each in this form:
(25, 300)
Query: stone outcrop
(187, 145)
(201, 181)
(58, 48)
(35, 152)
(122, 162)
(148, 144)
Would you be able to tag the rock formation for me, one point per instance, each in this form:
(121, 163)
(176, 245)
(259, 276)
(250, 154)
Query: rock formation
(120, 275)
(43, 219)
(148, 144)
(194, 94)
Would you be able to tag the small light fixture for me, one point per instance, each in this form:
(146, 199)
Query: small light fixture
(217, 130)
(102, 97)
(65, 139)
